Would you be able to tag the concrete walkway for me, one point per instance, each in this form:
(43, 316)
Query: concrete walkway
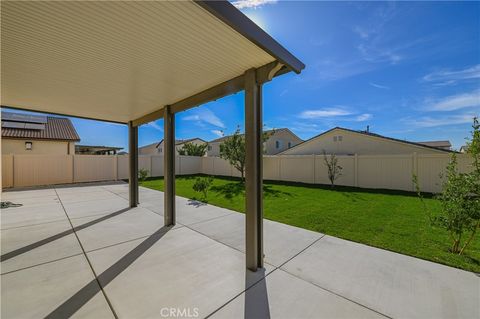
(80, 252)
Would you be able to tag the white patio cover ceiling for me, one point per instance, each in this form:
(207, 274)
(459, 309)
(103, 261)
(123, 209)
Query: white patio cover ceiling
(116, 61)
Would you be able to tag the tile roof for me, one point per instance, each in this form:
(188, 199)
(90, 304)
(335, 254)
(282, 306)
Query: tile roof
(56, 128)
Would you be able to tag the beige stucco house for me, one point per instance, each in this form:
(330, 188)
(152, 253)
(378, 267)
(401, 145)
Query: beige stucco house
(342, 141)
(279, 140)
(158, 148)
(33, 134)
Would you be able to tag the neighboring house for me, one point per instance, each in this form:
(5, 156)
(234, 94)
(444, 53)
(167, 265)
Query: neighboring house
(464, 149)
(342, 141)
(150, 149)
(446, 145)
(96, 150)
(34, 134)
(279, 140)
(157, 148)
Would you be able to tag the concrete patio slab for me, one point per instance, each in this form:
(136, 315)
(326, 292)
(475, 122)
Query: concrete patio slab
(35, 292)
(33, 245)
(200, 263)
(281, 295)
(131, 224)
(181, 270)
(33, 201)
(190, 212)
(95, 207)
(28, 216)
(281, 241)
(29, 193)
(393, 284)
(87, 196)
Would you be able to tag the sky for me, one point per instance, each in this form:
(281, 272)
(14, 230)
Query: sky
(408, 70)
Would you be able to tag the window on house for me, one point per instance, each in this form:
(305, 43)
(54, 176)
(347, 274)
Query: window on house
(277, 144)
(28, 146)
(160, 150)
(340, 138)
(334, 138)
(289, 144)
(209, 147)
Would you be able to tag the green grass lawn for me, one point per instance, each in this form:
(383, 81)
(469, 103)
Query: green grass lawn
(392, 220)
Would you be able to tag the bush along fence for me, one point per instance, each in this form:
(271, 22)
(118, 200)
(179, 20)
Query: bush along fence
(366, 171)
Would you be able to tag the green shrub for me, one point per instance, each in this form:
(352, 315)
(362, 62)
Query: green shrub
(202, 184)
(142, 174)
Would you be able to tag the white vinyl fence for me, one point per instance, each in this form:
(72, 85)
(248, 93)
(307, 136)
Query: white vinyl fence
(366, 171)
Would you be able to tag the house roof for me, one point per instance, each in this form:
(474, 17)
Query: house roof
(221, 139)
(97, 147)
(437, 143)
(86, 58)
(368, 134)
(178, 142)
(56, 128)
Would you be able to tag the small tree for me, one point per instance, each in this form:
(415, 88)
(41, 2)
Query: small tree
(191, 149)
(233, 150)
(334, 171)
(202, 184)
(142, 174)
(460, 198)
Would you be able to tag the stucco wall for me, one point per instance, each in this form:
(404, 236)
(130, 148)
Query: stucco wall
(148, 150)
(349, 143)
(17, 146)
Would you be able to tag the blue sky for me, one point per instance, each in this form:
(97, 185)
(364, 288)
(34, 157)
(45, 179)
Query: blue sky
(409, 70)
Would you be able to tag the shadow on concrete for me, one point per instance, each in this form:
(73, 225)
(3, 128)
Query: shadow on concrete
(81, 297)
(47, 240)
(195, 203)
(256, 297)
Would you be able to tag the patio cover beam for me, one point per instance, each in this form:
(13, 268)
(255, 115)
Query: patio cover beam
(263, 74)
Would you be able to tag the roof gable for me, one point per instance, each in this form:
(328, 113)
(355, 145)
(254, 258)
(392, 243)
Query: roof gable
(369, 134)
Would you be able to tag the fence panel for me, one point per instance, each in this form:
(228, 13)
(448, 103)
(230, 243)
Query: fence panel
(34, 170)
(347, 177)
(386, 171)
(222, 167)
(92, 168)
(368, 171)
(190, 165)
(271, 168)
(122, 167)
(432, 166)
(7, 171)
(157, 165)
(297, 168)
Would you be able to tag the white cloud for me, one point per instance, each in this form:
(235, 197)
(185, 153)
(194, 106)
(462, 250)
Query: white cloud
(242, 4)
(363, 117)
(204, 115)
(427, 121)
(456, 102)
(379, 86)
(218, 133)
(446, 76)
(325, 112)
(155, 126)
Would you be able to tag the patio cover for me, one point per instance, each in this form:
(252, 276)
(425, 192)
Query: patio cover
(136, 61)
(121, 60)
